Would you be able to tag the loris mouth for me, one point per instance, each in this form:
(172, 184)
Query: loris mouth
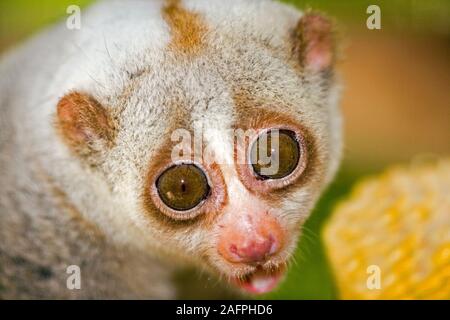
(260, 281)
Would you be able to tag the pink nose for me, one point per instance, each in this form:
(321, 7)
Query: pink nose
(253, 238)
(254, 251)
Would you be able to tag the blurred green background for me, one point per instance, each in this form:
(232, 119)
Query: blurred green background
(396, 102)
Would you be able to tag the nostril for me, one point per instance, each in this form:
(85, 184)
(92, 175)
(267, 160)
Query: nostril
(233, 249)
(234, 253)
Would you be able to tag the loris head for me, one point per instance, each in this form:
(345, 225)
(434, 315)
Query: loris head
(218, 139)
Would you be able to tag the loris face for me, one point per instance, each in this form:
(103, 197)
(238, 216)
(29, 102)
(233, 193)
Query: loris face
(219, 144)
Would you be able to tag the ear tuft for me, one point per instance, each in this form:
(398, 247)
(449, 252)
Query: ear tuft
(84, 123)
(314, 42)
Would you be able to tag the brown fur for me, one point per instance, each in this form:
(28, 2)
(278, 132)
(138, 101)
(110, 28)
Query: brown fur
(187, 29)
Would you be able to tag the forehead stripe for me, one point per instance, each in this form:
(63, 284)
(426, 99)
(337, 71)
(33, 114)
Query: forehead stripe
(187, 28)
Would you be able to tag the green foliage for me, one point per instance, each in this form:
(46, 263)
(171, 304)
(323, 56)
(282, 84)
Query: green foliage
(397, 15)
(20, 18)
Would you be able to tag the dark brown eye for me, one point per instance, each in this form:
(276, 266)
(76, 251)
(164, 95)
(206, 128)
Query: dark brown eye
(182, 187)
(265, 153)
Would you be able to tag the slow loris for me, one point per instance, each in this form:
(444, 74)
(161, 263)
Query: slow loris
(159, 135)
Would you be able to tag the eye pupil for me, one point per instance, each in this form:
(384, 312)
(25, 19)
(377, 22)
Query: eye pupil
(182, 187)
(287, 153)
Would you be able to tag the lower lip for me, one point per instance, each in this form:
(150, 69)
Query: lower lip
(261, 281)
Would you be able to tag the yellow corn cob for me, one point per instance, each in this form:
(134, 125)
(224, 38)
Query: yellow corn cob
(395, 228)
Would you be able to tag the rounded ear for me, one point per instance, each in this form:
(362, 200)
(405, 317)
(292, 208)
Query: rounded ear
(314, 43)
(84, 123)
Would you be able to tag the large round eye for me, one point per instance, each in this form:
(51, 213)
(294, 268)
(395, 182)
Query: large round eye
(182, 187)
(265, 153)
